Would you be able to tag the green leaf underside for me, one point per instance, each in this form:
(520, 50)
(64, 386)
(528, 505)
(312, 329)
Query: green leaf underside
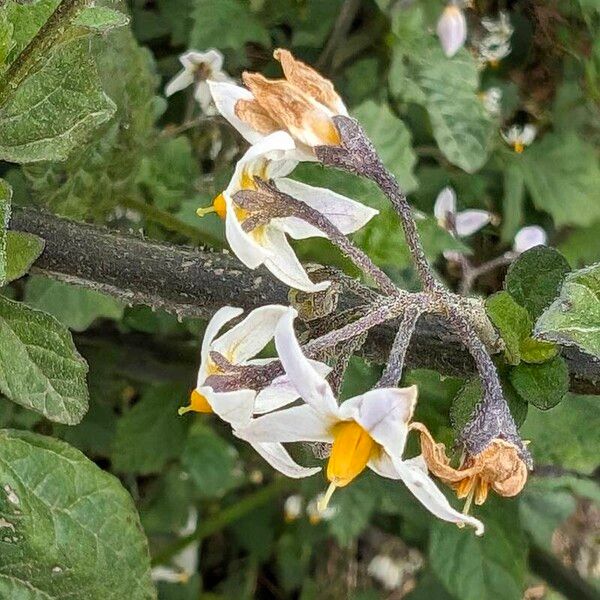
(100, 18)
(75, 307)
(542, 385)
(5, 200)
(69, 529)
(55, 109)
(39, 365)
(22, 250)
(574, 317)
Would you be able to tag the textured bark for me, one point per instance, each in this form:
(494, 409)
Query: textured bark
(195, 283)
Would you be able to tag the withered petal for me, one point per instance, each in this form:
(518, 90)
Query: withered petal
(251, 112)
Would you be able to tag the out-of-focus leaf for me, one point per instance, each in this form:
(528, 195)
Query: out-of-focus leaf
(313, 22)
(54, 498)
(534, 279)
(210, 461)
(213, 25)
(76, 307)
(581, 246)
(566, 435)
(574, 317)
(542, 385)
(5, 200)
(39, 365)
(151, 433)
(512, 321)
(561, 172)
(490, 567)
(100, 18)
(512, 203)
(392, 140)
(22, 250)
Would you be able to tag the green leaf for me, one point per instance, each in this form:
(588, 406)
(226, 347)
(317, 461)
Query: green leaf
(581, 246)
(566, 435)
(543, 385)
(534, 279)
(100, 19)
(39, 365)
(512, 321)
(490, 567)
(213, 25)
(537, 351)
(512, 202)
(5, 200)
(210, 461)
(75, 307)
(392, 140)
(574, 317)
(70, 529)
(55, 109)
(6, 39)
(151, 433)
(561, 172)
(22, 250)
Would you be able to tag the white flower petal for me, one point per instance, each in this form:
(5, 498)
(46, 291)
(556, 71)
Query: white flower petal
(234, 407)
(529, 237)
(384, 413)
(424, 489)
(346, 214)
(282, 261)
(250, 336)
(528, 134)
(468, 222)
(312, 386)
(452, 30)
(282, 391)
(222, 316)
(277, 456)
(295, 424)
(445, 203)
(182, 80)
(225, 95)
(203, 96)
(214, 58)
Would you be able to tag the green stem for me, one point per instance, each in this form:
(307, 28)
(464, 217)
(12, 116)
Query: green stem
(171, 222)
(224, 518)
(39, 47)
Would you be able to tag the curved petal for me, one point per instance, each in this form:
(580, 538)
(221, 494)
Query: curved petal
(311, 386)
(470, 221)
(234, 407)
(529, 237)
(277, 456)
(445, 203)
(296, 424)
(282, 391)
(182, 80)
(203, 96)
(250, 336)
(214, 58)
(384, 413)
(282, 261)
(225, 95)
(222, 316)
(346, 214)
(414, 475)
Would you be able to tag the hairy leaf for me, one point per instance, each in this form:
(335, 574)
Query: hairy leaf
(39, 365)
(5, 200)
(100, 18)
(22, 250)
(543, 385)
(70, 530)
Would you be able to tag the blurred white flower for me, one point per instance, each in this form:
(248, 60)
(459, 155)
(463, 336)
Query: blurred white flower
(452, 30)
(519, 136)
(388, 572)
(492, 100)
(369, 430)
(198, 68)
(462, 223)
(495, 45)
(316, 513)
(501, 26)
(272, 158)
(529, 237)
(292, 507)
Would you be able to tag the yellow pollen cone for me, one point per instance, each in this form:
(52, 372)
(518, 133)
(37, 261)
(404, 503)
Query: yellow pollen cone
(350, 453)
(219, 206)
(198, 403)
(519, 147)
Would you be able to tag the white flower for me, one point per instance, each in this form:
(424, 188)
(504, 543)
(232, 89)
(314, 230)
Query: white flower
(519, 136)
(198, 67)
(386, 571)
(302, 104)
(267, 244)
(292, 507)
(237, 347)
(464, 223)
(495, 46)
(501, 26)
(452, 30)
(529, 237)
(492, 100)
(316, 513)
(369, 430)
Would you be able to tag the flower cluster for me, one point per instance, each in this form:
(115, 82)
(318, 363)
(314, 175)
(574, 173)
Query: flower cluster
(492, 47)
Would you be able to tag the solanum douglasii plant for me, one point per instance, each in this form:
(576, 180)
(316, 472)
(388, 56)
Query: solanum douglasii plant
(299, 299)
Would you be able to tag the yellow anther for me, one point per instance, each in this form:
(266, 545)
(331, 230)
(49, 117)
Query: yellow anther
(198, 403)
(519, 147)
(350, 453)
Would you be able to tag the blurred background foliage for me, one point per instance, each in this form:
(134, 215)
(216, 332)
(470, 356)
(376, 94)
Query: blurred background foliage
(153, 162)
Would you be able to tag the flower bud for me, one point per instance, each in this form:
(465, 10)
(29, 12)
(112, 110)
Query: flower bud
(452, 30)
